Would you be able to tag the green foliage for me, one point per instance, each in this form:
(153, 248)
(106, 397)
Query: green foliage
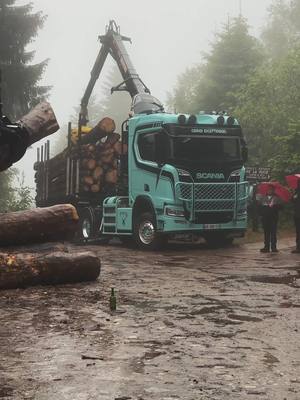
(184, 98)
(6, 179)
(18, 28)
(282, 31)
(14, 198)
(267, 103)
(286, 159)
(234, 56)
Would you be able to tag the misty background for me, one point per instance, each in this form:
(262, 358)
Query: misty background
(167, 37)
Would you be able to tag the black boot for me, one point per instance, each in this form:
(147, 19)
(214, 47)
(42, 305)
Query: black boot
(265, 250)
(274, 250)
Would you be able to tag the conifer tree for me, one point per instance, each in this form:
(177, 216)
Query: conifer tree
(19, 26)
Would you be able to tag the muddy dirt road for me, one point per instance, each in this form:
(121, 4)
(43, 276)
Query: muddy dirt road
(193, 324)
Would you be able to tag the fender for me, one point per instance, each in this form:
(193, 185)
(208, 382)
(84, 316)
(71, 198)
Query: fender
(142, 204)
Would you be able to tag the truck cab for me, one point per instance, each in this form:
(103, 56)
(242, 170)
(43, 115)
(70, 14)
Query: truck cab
(186, 176)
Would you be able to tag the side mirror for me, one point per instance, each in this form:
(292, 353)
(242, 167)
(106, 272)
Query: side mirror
(161, 147)
(245, 154)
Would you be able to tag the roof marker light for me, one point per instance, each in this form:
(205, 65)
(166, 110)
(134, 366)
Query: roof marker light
(181, 119)
(230, 121)
(220, 120)
(192, 120)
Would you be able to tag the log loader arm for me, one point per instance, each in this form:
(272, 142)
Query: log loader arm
(16, 137)
(112, 43)
(14, 140)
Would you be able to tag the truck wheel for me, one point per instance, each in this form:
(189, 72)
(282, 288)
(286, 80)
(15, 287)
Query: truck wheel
(145, 234)
(86, 224)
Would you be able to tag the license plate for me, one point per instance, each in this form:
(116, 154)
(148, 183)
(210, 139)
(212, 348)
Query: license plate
(211, 226)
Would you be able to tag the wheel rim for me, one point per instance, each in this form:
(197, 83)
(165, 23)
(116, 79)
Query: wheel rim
(146, 232)
(86, 228)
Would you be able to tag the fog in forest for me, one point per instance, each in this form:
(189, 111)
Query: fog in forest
(167, 37)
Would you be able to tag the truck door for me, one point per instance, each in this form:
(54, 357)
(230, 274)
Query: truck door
(150, 177)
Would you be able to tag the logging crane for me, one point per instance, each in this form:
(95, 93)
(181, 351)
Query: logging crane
(112, 43)
(16, 137)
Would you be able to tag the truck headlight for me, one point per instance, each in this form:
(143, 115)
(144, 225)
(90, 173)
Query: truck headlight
(173, 212)
(235, 176)
(184, 176)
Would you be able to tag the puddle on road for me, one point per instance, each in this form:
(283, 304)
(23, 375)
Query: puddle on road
(246, 318)
(6, 392)
(281, 280)
(269, 359)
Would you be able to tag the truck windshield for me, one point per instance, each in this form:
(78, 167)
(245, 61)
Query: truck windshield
(205, 149)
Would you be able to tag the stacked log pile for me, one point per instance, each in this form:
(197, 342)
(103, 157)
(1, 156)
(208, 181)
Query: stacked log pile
(44, 264)
(94, 157)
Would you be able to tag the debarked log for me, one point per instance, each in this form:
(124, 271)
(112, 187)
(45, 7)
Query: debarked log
(39, 224)
(30, 269)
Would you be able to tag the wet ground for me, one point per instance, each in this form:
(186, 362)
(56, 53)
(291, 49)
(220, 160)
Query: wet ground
(192, 323)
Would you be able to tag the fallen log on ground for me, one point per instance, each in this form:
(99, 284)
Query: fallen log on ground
(38, 225)
(30, 269)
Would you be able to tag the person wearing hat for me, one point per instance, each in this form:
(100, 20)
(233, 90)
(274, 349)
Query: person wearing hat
(296, 202)
(269, 207)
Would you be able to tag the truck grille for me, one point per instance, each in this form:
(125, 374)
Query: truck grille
(214, 197)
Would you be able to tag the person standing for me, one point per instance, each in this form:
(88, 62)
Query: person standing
(296, 202)
(269, 206)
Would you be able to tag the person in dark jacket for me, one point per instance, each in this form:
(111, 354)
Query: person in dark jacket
(296, 201)
(269, 207)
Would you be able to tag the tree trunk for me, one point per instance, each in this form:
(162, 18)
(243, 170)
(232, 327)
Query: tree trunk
(40, 224)
(28, 269)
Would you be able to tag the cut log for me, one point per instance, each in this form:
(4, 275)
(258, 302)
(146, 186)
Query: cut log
(105, 127)
(108, 159)
(95, 188)
(111, 140)
(40, 122)
(98, 172)
(111, 176)
(118, 148)
(39, 224)
(29, 269)
(88, 180)
(91, 164)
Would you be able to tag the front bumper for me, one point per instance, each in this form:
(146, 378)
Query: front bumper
(167, 224)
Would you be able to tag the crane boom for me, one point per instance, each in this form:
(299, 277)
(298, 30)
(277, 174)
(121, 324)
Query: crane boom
(113, 43)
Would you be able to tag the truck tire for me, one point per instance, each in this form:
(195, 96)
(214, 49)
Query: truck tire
(145, 234)
(86, 229)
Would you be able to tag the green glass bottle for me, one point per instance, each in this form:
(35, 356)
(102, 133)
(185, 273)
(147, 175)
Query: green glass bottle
(112, 300)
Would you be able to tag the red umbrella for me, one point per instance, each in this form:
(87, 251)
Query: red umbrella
(281, 191)
(292, 180)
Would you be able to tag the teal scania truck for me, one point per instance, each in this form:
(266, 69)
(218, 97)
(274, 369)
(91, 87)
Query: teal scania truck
(183, 175)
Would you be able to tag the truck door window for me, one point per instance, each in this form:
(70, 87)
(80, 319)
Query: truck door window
(146, 145)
